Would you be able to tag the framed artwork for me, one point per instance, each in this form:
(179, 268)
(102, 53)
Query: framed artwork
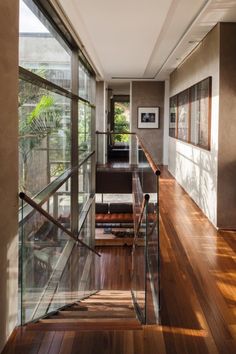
(183, 115)
(190, 114)
(148, 117)
(173, 116)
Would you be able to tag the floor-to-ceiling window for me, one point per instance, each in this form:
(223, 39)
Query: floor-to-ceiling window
(56, 146)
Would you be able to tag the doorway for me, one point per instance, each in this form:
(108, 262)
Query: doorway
(118, 149)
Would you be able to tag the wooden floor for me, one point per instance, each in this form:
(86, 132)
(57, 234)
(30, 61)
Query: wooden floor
(198, 279)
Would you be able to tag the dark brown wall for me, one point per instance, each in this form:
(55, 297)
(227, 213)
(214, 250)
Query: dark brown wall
(113, 182)
(226, 207)
(149, 94)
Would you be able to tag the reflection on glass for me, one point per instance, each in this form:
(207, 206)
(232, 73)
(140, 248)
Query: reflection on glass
(183, 115)
(139, 267)
(87, 84)
(59, 204)
(204, 103)
(173, 116)
(85, 183)
(41, 50)
(84, 134)
(54, 270)
(44, 137)
(43, 245)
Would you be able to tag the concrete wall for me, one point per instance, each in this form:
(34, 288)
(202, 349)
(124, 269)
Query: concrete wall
(148, 94)
(9, 167)
(195, 168)
(227, 128)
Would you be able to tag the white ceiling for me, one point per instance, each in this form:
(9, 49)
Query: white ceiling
(143, 39)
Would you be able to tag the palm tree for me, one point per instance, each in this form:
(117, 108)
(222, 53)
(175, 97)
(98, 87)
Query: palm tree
(42, 121)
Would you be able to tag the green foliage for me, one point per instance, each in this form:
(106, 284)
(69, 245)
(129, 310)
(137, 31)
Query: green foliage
(44, 104)
(35, 126)
(43, 120)
(121, 122)
(84, 127)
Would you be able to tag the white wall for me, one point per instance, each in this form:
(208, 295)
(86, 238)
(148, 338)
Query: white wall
(195, 168)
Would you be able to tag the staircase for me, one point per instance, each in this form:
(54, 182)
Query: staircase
(106, 310)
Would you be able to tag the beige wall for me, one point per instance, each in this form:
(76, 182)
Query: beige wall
(8, 167)
(195, 168)
(227, 128)
(149, 94)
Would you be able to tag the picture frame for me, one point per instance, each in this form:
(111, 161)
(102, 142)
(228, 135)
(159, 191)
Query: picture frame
(148, 117)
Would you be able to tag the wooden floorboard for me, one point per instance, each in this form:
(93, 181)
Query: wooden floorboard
(198, 292)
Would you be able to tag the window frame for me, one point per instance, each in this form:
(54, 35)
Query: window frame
(77, 56)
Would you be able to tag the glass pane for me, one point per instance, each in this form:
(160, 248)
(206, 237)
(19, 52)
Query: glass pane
(54, 271)
(60, 204)
(183, 115)
(44, 137)
(41, 49)
(84, 135)
(139, 267)
(145, 181)
(87, 232)
(44, 246)
(195, 112)
(200, 113)
(173, 116)
(87, 84)
(85, 183)
(203, 94)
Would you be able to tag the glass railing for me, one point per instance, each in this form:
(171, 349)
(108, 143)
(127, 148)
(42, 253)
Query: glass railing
(115, 148)
(56, 267)
(146, 206)
(139, 262)
(145, 189)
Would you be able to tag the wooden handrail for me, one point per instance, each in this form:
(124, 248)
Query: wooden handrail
(54, 221)
(148, 156)
(153, 165)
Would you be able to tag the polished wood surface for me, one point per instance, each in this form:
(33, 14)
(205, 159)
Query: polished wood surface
(198, 297)
(115, 265)
(197, 278)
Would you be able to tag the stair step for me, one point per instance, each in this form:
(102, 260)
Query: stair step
(105, 310)
(92, 302)
(100, 309)
(85, 325)
(93, 314)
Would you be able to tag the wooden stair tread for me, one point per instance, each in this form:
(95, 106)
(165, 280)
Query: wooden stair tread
(92, 325)
(94, 314)
(100, 308)
(90, 320)
(113, 303)
(105, 310)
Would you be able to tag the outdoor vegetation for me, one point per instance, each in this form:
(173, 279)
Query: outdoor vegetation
(41, 129)
(121, 122)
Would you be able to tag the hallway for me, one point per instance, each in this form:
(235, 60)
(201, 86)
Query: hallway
(198, 298)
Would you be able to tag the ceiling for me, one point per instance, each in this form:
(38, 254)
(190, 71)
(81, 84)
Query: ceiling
(143, 39)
